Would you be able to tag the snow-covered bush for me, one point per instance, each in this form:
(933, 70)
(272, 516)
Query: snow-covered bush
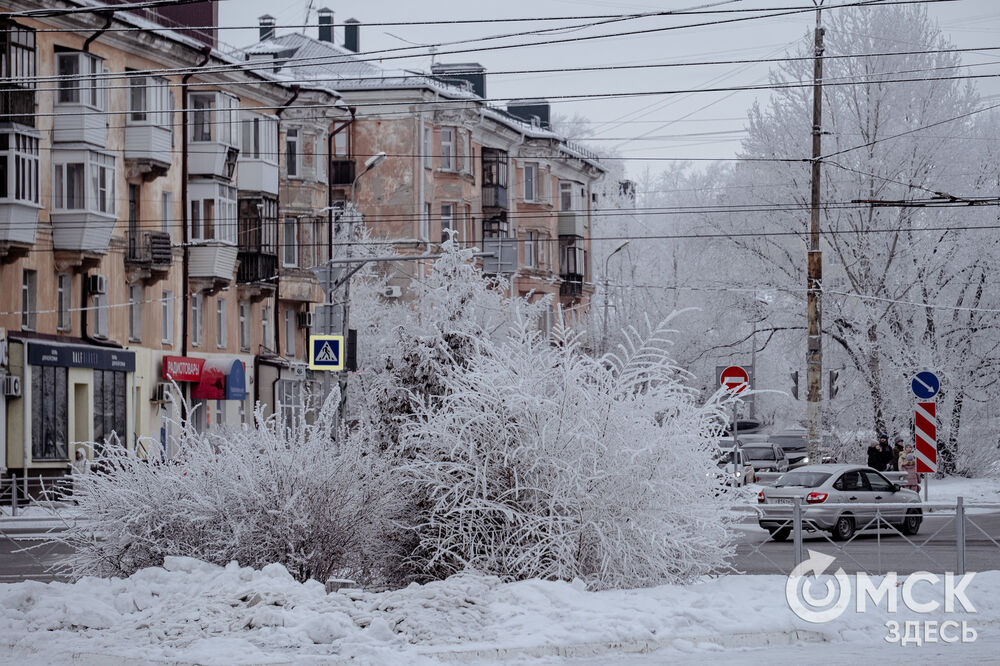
(278, 492)
(542, 461)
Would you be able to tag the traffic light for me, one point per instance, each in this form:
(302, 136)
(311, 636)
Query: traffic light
(833, 383)
(795, 384)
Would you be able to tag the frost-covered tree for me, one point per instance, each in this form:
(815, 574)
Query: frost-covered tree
(541, 460)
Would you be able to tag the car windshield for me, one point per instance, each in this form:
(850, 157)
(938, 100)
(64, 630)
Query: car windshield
(759, 452)
(801, 479)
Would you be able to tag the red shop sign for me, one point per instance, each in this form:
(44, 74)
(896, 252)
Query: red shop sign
(182, 368)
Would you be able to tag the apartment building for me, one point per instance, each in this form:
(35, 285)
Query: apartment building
(497, 178)
(152, 267)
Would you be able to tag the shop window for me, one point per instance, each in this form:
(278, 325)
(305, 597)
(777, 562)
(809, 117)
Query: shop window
(49, 413)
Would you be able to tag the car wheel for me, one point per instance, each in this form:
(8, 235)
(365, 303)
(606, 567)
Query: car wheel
(780, 533)
(843, 529)
(911, 525)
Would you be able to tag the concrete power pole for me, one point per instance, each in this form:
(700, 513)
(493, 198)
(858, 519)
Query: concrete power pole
(814, 279)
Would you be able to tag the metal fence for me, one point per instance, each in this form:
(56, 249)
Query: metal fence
(953, 536)
(17, 492)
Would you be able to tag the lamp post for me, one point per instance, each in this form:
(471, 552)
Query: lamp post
(604, 328)
(370, 164)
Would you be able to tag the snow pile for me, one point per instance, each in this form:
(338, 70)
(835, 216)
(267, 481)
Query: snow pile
(191, 611)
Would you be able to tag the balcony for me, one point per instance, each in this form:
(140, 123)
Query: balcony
(19, 187)
(256, 266)
(148, 149)
(342, 172)
(80, 123)
(212, 158)
(148, 252)
(257, 175)
(572, 285)
(213, 261)
(17, 103)
(494, 196)
(214, 134)
(299, 284)
(572, 224)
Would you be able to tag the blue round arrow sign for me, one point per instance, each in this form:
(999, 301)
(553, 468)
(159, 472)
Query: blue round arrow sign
(925, 385)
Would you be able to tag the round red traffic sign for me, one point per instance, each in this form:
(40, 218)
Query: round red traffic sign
(735, 379)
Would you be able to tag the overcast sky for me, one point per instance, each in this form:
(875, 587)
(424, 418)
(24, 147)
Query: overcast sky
(640, 127)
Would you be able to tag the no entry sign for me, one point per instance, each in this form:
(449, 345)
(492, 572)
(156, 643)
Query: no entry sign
(735, 379)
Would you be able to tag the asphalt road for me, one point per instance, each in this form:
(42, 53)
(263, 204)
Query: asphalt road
(26, 552)
(934, 548)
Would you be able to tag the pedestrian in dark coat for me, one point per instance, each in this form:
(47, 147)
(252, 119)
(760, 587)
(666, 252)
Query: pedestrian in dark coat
(874, 455)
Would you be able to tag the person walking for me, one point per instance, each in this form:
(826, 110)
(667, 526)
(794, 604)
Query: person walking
(908, 464)
(885, 453)
(78, 467)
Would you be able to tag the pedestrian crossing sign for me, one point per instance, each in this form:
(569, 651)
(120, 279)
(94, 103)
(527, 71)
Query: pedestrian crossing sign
(326, 352)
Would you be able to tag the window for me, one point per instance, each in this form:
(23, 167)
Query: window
(49, 413)
(530, 248)
(101, 312)
(19, 167)
(267, 327)
(494, 168)
(566, 196)
(64, 292)
(530, 181)
(85, 181)
(572, 258)
(428, 153)
(290, 332)
(110, 391)
(447, 148)
(220, 323)
(213, 212)
(425, 222)
(467, 152)
(291, 403)
(197, 320)
(292, 156)
(18, 69)
(214, 117)
(340, 143)
(78, 83)
(220, 413)
(260, 138)
(318, 158)
(244, 326)
(289, 241)
(167, 213)
(29, 298)
(447, 221)
(877, 483)
(135, 312)
(149, 101)
(167, 318)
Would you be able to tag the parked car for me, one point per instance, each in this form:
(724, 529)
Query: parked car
(839, 499)
(733, 468)
(766, 457)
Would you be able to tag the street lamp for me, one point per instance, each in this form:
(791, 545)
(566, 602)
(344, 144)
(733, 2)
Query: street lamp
(370, 164)
(604, 329)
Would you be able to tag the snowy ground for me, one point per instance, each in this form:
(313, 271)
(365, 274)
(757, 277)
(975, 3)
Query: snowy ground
(191, 612)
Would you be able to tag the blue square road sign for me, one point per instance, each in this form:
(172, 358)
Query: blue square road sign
(326, 352)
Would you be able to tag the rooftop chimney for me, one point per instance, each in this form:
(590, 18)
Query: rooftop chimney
(325, 16)
(471, 73)
(266, 27)
(352, 40)
(534, 111)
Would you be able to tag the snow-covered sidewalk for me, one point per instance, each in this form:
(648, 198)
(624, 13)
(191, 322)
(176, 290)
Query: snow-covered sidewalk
(192, 612)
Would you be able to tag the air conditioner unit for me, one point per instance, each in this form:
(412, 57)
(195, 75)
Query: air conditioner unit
(392, 292)
(298, 370)
(12, 386)
(305, 320)
(97, 284)
(161, 393)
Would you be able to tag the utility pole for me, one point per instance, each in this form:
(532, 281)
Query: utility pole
(814, 279)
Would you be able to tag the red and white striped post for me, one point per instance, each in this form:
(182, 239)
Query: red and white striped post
(925, 386)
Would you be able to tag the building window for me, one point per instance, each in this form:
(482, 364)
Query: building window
(215, 117)
(447, 148)
(291, 403)
(101, 312)
(425, 222)
(70, 188)
(220, 323)
(530, 181)
(292, 153)
(290, 332)
(149, 101)
(167, 318)
(220, 413)
(530, 248)
(135, 312)
(289, 242)
(318, 158)
(197, 319)
(566, 196)
(29, 298)
(49, 413)
(467, 152)
(267, 327)
(19, 167)
(428, 151)
(110, 398)
(18, 70)
(78, 79)
(64, 292)
(447, 221)
(244, 326)
(167, 214)
(260, 138)
(213, 212)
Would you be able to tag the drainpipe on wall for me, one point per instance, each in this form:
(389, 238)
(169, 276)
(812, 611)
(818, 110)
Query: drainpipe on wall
(420, 171)
(277, 277)
(108, 17)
